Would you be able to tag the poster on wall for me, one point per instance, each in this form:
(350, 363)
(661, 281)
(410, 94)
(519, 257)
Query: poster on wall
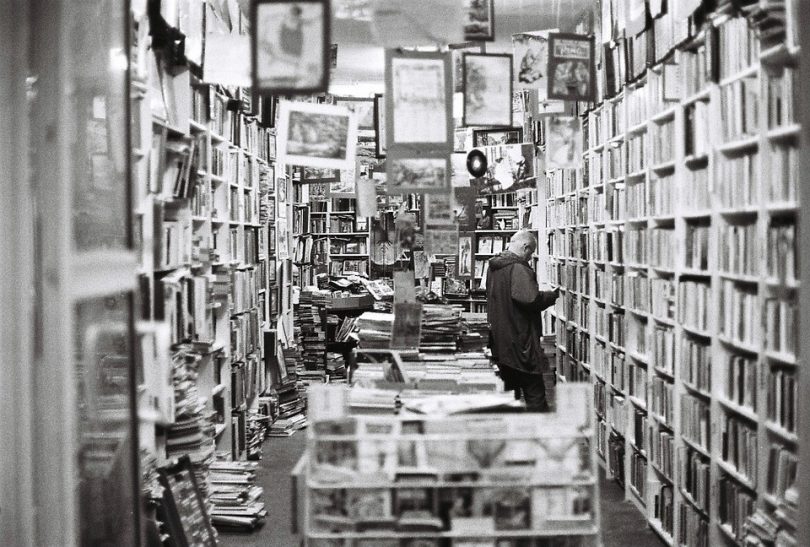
(530, 51)
(571, 70)
(418, 100)
(480, 21)
(563, 142)
(290, 46)
(509, 167)
(487, 90)
(317, 135)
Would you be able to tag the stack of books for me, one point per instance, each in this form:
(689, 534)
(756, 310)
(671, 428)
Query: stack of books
(236, 499)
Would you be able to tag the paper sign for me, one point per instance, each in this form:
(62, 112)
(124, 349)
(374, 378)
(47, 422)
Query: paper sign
(366, 197)
(407, 325)
(227, 60)
(404, 287)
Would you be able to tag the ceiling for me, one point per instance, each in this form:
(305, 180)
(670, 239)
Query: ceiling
(361, 63)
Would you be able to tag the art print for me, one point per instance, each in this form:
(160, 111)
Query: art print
(487, 90)
(457, 52)
(291, 46)
(465, 255)
(495, 137)
(417, 175)
(571, 68)
(439, 210)
(509, 168)
(480, 22)
(317, 135)
(563, 142)
(418, 99)
(363, 109)
(315, 175)
(531, 61)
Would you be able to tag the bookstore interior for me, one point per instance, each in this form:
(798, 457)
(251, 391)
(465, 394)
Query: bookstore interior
(313, 293)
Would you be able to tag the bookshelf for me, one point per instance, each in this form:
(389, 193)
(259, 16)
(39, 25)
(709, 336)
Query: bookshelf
(203, 171)
(679, 285)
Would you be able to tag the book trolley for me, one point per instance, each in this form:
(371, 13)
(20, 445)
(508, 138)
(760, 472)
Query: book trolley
(503, 479)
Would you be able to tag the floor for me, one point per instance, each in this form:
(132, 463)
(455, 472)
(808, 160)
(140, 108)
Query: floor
(622, 524)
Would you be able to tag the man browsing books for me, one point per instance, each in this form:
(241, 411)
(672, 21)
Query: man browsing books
(514, 303)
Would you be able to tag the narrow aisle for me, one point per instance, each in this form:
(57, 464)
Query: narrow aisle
(280, 455)
(622, 524)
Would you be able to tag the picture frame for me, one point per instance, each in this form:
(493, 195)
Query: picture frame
(363, 108)
(413, 175)
(314, 175)
(457, 52)
(493, 137)
(317, 135)
(381, 146)
(418, 101)
(571, 67)
(480, 23)
(281, 187)
(487, 89)
(285, 60)
(563, 142)
(530, 57)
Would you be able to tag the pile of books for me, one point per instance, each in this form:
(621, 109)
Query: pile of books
(284, 427)
(336, 368)
(441, 328)
(374, 330)
(236, 499)
(474, 334)
(193, 435)
(313, 334)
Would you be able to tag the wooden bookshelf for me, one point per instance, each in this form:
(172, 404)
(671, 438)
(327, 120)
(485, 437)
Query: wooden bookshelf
(653, 194)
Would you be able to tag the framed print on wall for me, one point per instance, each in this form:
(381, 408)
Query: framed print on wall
(457, 52)
(363, 108)
(571, 71)
(480, 21)
(379, 125)
(487, 90)
(290, 46)
(317, 135)
(493, 137)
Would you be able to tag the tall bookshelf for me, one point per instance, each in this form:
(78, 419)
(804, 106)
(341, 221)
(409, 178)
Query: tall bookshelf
(674, 251)
(201, 162)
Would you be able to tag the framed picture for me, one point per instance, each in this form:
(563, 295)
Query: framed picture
(457, 52)
(531, 61)
(418, 175)
(418, 101)
(487, 90)
(439, 210)
(315, 175)
(379, 125)
(493, 137)
(480, 21)
(465, 255)
(291, 46)
(571, 70)
(363, 109)
(509, 167)
(563, 142)
(317, 135)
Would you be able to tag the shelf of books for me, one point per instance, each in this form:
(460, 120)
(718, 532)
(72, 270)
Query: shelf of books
(675, 253)
(380, 480)
(203, 172)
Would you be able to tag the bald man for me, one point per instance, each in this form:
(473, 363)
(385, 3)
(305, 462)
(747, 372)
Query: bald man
(514, 303)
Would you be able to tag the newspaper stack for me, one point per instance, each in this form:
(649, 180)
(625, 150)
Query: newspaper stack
(236, 499)
(441, 327)
(374, 330)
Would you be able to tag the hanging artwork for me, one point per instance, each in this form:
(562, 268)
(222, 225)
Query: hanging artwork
(487, 90)
(317, 135)
(291, 46)
(315, 175)
(363, 109)
(417, 175)
(417, 22)
(563, 142)
(509, 168)
(572, 74)
(494, 137)
(439, 210)
(457, 52)
(480, 22)
(531, 60)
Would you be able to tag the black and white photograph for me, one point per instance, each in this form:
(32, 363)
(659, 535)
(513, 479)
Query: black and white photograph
(494, 137)
(317, 135)
(510, 167)
(291, 46)
(457, 52)
(419, 175)
(571, 67)
(563, 142)
(530, 52)
(418, 100)
(487, 90)
(363, 109)
(480, 24)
